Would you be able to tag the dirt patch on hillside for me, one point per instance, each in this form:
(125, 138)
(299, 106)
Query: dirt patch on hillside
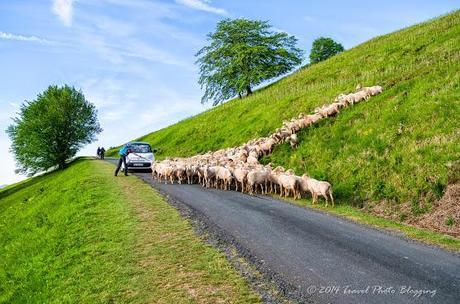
(445, 214)
(443, 217)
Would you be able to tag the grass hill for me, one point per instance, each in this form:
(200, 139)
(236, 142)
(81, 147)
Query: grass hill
(82, 236)
(398, 147)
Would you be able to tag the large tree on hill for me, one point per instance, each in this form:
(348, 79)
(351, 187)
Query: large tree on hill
(242, 54)
(323, 48)
(51, 129)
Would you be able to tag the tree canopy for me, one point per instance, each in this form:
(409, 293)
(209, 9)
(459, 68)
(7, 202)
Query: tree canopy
(323, 48)
(241, 54)
(51, 129)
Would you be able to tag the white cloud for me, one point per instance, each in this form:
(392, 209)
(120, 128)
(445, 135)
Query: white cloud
(64, 10)
(9, 36)
(203, 5)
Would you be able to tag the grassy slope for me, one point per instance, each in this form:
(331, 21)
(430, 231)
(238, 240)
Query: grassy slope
(394, 147)
(82, 236)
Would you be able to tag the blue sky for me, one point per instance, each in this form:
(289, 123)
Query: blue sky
(134, 59)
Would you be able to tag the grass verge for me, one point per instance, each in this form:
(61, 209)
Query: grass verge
(80, 235)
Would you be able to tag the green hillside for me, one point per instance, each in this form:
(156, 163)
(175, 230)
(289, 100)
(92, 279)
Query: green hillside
(82, 236)
(394, 147)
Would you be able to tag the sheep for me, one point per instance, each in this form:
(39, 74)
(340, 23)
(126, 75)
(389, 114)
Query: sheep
(317, 187)
(372, 91)
(223, 176)
(267, 146)
(180, 173)
(190, 172)
(293, 141)
(209, 176)
(257, 177)
(273, 178)
(289, 184)
(240, 174)
(252, 160)
(220, 168)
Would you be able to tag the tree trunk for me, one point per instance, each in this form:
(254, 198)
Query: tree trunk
(61, 164)
(248, 90)
(239, 95)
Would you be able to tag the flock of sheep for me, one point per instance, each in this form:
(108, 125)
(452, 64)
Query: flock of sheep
(239, 168)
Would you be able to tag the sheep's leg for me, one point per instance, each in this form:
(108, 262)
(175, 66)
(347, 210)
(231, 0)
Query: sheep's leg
(326, 198)
(332, 198)
(236, 186)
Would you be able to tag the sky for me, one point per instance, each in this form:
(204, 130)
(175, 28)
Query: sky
(134, 59)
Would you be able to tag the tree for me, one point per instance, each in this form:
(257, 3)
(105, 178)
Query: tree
(242, 54)
(51, 129)
(323, 48)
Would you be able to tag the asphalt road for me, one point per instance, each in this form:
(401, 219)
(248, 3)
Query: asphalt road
(320, 258)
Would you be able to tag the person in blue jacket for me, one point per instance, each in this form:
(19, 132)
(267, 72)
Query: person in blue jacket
(123, 153)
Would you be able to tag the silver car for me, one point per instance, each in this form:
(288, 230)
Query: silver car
(141, 157)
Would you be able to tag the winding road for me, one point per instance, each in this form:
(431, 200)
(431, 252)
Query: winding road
(320, 258)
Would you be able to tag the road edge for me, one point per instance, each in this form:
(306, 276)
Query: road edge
(268, 284)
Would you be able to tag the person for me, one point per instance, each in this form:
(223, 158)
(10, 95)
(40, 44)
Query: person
(98, 151)
(102, 152)
(123, 153)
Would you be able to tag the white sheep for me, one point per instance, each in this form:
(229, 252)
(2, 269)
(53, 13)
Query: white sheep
(220, 168)
(317, 188)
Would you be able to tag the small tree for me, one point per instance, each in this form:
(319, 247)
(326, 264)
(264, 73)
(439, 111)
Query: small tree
(323, 48)
(242, 54)
(51, 129)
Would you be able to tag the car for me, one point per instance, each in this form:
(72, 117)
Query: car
(141, 158)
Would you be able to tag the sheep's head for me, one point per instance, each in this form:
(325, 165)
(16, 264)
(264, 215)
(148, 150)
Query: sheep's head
(279, 169)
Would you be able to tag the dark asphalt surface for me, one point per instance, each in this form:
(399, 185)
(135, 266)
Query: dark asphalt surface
(323, 258)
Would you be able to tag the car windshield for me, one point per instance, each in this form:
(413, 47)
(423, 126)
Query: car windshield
(140, 148)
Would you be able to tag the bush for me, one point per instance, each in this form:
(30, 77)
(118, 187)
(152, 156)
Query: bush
(323, 48)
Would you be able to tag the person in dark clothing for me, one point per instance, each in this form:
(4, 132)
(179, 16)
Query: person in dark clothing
(123, 153)
(102, 152)
(98, 151)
